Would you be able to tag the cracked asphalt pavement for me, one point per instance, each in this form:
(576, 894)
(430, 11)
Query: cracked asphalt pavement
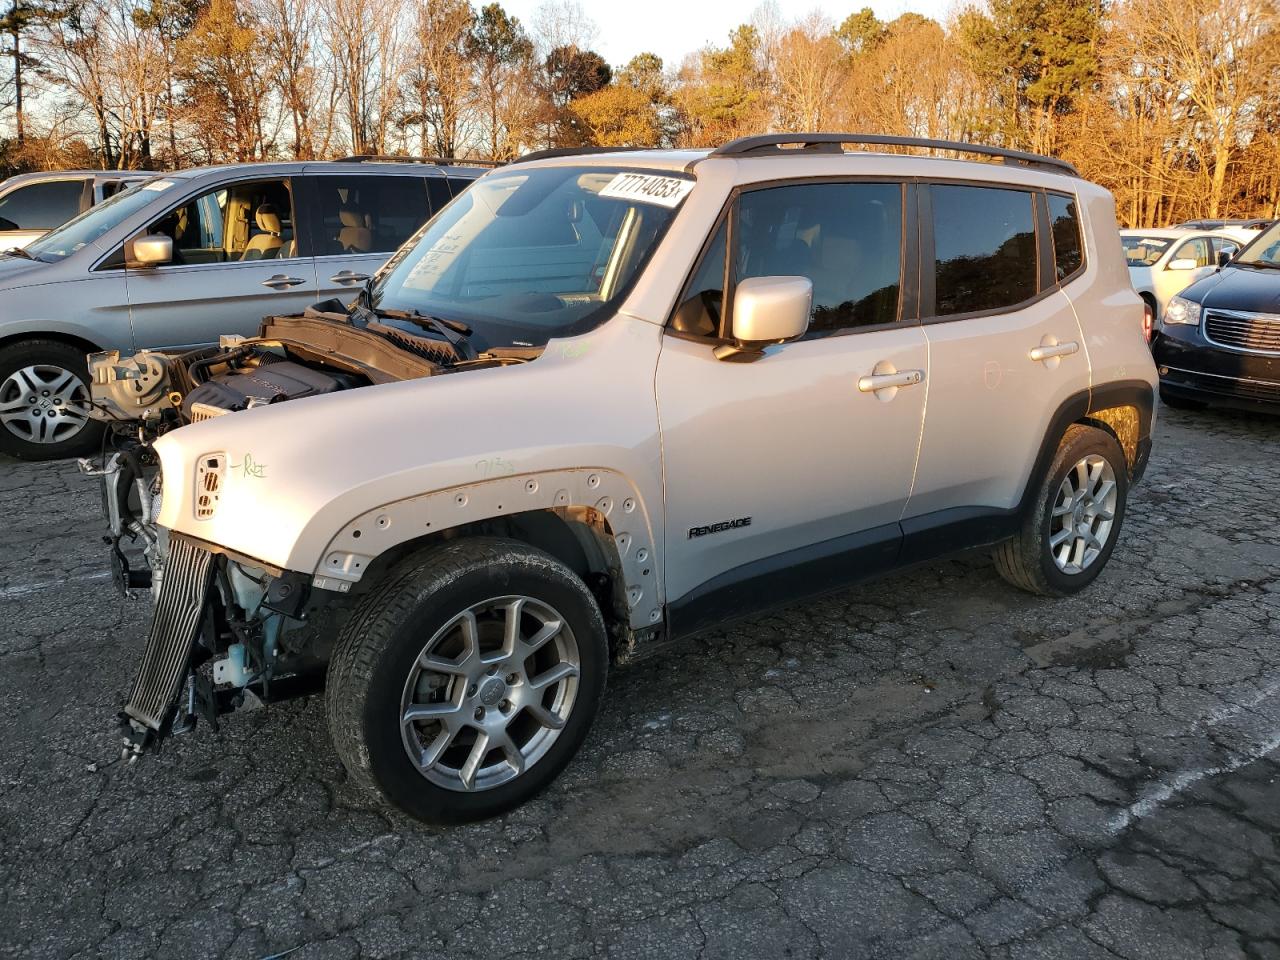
(934, 765)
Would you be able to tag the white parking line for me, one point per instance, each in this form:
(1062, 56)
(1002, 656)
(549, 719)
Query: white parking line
(1161, 793)
(22, 589)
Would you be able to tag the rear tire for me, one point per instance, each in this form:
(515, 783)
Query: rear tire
(44, 399)
(439, 699)
(1070, 531)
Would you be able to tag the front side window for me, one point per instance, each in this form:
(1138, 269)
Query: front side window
(368, 214)
(41, 206)
(242, 221)
(845, 237)
(1064, 226)
(1197, 250)
(984, 247)
(528, 254)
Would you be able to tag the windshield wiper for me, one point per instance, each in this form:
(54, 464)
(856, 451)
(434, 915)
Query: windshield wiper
(18, 252)
(455, 332)
(1262, 264)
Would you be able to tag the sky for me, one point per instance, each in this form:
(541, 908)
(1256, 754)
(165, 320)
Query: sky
(673, 28)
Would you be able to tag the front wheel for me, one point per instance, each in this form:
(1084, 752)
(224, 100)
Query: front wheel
(44, 401)
(462, 686)
(1069, 533)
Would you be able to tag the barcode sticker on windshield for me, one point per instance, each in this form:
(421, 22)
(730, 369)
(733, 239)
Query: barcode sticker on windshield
(648, 188)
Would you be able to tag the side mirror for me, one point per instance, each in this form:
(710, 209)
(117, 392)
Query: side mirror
(1182, 263)
(1224, 257)
(767, 310)
(151, 250)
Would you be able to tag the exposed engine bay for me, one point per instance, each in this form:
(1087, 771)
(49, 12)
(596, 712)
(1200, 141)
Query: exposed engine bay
(327, 349)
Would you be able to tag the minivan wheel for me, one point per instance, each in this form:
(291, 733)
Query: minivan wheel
(1067, 538)
(462, 685)
(44, 401)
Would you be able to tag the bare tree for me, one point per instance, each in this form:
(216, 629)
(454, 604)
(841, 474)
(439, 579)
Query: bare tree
(441, 80)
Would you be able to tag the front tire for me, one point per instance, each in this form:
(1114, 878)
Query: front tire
(465, 683)
(1068, 535)
(44, 401)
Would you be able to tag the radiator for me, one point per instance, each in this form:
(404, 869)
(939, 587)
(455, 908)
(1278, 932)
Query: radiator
(188, 572)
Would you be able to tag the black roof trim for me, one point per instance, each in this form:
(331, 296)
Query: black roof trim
(395, 158)
(780, 144)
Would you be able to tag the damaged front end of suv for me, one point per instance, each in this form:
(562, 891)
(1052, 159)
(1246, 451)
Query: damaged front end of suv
(250, 620)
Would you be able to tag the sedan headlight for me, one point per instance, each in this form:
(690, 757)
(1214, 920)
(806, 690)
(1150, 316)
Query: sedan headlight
(1182, 310)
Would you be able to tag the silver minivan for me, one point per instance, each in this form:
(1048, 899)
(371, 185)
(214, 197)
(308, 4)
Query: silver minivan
(183, 258)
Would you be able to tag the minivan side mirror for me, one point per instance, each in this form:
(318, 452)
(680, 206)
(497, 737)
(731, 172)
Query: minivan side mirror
(1182, 263)
(1224, 257)
(767, 310)
(151, 250)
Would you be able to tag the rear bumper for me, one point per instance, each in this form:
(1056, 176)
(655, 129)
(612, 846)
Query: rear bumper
(1193, 369)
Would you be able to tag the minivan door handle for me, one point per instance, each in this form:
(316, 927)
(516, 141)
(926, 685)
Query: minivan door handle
(282, 282)
(1049, 351)
(348, 276)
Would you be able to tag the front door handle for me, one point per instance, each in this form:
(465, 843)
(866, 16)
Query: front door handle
(348, 276)
(1051, 351)
(282, 282)
(876, 382)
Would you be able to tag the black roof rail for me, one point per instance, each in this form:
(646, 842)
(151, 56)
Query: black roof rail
(396, 158)
(773, 144)
(574, 151)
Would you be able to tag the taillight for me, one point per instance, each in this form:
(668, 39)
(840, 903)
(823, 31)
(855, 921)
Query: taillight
(1148, 321)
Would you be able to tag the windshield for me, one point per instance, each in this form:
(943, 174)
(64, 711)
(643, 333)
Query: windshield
(1263, 251)
(1144, 251)
(527, 255)
(94, 222)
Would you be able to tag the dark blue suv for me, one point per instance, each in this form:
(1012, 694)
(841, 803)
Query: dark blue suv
(1219, 340)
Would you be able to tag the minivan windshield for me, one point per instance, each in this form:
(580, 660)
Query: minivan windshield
(96, 221)
(525, 255)
(1264, 251)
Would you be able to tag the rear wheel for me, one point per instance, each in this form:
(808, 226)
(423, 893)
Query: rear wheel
(44, 401)
(463, 685)
(1067, 537)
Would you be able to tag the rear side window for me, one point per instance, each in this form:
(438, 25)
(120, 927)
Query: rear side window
(984, 247)
(41, 206)
(438, 193)
(1068, 247)
(363, 214)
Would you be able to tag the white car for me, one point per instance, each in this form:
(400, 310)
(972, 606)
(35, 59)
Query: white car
(1164, 261)
(650, 391)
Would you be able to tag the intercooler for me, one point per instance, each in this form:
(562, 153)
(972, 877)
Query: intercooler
(188, 572)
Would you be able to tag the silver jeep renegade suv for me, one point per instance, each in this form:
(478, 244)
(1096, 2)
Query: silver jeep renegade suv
(654, 390)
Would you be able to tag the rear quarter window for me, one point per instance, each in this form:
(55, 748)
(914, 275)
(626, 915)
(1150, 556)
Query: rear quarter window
(1068, 242)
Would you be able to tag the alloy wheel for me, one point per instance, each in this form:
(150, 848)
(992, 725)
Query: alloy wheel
(490, 693)
(1083, 514)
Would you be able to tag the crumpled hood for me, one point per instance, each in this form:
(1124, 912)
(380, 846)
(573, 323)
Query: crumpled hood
(295, 472)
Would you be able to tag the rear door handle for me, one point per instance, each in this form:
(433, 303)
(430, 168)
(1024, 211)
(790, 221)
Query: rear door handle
(1047, 351)
(875, 382)
(282, 282)
(348, 276)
